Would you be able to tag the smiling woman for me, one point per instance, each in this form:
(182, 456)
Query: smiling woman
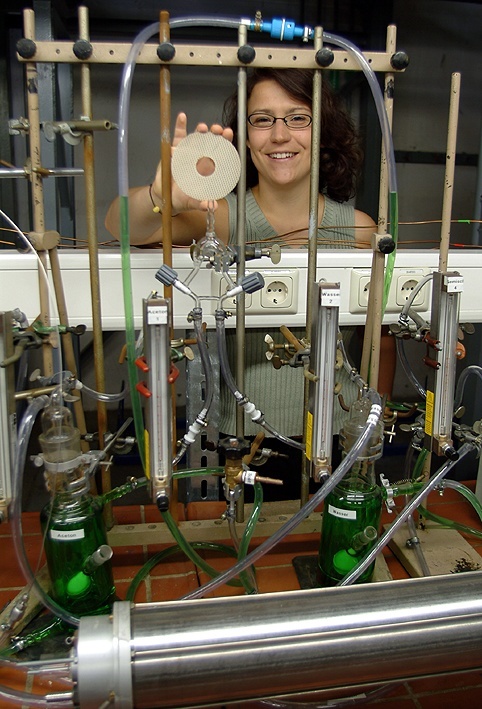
(279, 154)
(277, 169)
(279, 125)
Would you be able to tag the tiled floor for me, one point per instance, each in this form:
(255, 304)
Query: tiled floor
(176, 576)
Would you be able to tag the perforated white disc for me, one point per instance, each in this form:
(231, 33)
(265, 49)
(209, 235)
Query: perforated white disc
(227, 166)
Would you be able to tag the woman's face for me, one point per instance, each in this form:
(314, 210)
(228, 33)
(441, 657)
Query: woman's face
(281, 155)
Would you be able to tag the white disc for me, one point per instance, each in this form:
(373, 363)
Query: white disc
(226, 166)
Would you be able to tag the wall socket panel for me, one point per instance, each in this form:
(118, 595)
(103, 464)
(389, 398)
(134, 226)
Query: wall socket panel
(279, 295)
(19, 285)
(404, 280)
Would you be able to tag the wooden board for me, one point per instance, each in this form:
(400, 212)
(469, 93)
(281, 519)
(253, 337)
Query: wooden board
(445, 551)
(381, 571)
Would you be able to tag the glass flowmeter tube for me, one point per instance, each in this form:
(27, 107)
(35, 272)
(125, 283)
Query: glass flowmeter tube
(8, 420)
(319, 438)
(158, 439)
(443, 337)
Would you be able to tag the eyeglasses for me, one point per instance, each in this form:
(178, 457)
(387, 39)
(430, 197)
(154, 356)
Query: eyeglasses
(294, 121)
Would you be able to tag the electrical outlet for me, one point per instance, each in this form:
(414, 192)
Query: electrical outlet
(359, 289)
(363, 291)
(405, 285)
(277, 293)
(404, 280)
(232, 303)
(280, 292)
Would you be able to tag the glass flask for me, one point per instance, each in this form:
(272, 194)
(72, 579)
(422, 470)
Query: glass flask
(75, 547)
(351, 519)
(78, 557)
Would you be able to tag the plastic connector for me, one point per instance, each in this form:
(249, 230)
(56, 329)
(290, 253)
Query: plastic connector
(450, 453)
(166, 275)
(252, 282)
(283, 29)
(162, 502)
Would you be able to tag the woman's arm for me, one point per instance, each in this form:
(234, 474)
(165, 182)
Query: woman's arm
(189, 215)
(364, 228)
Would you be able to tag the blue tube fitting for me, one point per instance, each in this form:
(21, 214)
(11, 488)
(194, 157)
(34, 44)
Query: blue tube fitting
(282, 29)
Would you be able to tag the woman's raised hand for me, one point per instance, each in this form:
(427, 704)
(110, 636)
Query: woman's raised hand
(181, 202)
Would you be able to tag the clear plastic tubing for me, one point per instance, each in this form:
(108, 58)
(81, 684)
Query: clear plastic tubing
(388, 145)
(378, 98)
(99, 396)
(123, 172)
(23, 699)
(459, 392)
(24, 433)
(407, 511)
(307, 509)
(408, 304)
(127, 77)
(205, 361)
(209, 381)
(465, 492)
(401, 354)
(241, 399)
(123, 188)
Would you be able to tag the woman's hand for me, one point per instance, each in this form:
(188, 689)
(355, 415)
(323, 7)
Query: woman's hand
(181, 202)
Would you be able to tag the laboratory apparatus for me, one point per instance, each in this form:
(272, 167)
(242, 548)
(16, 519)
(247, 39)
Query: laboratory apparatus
(196, 651)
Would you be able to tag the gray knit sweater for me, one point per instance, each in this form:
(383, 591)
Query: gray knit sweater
(279, 393)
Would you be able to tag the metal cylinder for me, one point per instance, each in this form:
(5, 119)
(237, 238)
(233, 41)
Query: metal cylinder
(195, 653)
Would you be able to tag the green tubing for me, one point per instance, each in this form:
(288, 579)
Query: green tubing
(451, 524)
(249, 579)
(418, 467)
(465, 492)
(54, 626)
(120, 491)
(164, 554)
(393, 209)
(130, 331)
(470, 497)
(252, 521)
(188, 549)
(178, 474)
(406, 487)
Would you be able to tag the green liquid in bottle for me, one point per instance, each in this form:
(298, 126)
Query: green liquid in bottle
(74, 532)
(78, 557)
(351, 519)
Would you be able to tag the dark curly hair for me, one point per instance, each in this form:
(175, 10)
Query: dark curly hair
(340, 156)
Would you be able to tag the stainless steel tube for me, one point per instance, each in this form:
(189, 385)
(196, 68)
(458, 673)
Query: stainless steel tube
(195, 653)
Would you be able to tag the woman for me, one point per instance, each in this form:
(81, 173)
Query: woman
(278, 169)
(279, 118)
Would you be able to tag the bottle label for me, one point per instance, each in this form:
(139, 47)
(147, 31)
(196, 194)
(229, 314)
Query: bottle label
(66, 535)
(343, 514)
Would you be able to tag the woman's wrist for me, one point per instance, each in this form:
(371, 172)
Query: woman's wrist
(155, 207)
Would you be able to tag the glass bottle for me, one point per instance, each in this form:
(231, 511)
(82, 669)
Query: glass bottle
(351, 519)
(78, 557)
(75, 533)
(352, 510)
